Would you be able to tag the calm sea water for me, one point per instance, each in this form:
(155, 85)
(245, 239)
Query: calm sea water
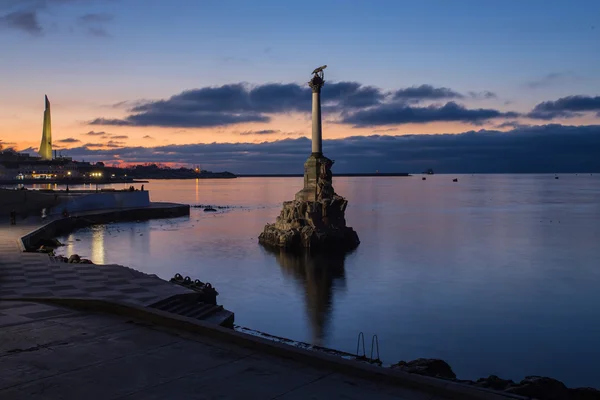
(496, 274)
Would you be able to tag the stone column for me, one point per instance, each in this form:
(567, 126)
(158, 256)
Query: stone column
(317, 147)
(317, 135)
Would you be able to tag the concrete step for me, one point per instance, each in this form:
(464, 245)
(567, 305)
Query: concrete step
(188, 306)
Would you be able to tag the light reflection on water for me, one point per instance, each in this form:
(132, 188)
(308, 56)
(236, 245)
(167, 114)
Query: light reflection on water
(497, 274)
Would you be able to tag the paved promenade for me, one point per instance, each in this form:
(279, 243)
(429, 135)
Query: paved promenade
(49, 352)
(36, 275)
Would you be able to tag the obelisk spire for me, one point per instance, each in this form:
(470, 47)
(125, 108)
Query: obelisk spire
(46, 144)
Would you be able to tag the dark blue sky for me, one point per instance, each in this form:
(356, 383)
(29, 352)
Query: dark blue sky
(189, 73)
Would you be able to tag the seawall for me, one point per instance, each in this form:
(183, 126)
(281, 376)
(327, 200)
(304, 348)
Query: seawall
(65, 225)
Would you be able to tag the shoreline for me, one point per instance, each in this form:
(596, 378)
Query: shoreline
(276, 344)
(430, 368)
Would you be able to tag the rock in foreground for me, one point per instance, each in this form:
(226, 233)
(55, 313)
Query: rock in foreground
(534, 387)
(428, 367)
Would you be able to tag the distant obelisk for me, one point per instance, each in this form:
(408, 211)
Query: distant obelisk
(46, 144)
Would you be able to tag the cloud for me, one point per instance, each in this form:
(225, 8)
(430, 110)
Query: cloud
(485, 95)
(111, 144)
(552, 79)
(425, 92)
(261, 132)
(68, 140)
(94, 23)
(565, 107)
(512, 125)
(26, 21)
(385, 130)
(119, 136)
(395, 114)
(24, 15)
(96, 18)
(546, 148)
(239, 102)
(148, 137)
(95, 133)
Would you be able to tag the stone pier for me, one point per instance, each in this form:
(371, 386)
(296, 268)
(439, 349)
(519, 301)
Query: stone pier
(315, 219)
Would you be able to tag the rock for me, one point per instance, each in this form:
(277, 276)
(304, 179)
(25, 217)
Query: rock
(428, 367)
(584, 394)
(494, 382)
(44, 249)
(541, 388)
(535, 387)
(74, 259)
(85, 261)
(311, 225)
(50, 242)
(315, 219)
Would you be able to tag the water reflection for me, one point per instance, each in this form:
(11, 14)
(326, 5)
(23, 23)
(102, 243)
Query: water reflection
(98, 252)
(318, 274)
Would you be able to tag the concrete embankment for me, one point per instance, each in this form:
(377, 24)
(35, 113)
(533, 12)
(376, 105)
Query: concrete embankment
(65, 225)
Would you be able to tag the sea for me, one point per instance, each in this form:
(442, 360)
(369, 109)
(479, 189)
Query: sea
(495, 274)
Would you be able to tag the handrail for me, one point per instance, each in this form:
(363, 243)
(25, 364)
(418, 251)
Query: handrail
(364, 355)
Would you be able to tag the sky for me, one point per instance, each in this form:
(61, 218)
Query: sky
(461, 86)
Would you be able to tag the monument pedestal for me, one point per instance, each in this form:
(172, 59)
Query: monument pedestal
(315, 219)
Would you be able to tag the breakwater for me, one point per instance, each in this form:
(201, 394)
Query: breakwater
(65, 225)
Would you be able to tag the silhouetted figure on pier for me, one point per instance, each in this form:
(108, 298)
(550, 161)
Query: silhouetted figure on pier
(13, 217)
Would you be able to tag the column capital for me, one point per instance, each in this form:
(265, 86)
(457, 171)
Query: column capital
(316, 83)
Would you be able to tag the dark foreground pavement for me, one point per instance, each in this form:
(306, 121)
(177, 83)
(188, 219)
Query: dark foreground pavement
(49, 352)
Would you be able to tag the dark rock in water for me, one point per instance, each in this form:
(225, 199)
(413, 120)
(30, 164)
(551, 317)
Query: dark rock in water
(85, 261)
(315, 225)
(494, 382)
(540, 388)
(315, 220)
(50, 242)
(535, 387)
(45, 249)
(74, 259)
(584, 394)
(428, 367)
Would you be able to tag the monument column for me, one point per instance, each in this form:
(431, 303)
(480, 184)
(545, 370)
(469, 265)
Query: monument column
(317, 133)
(315, 219)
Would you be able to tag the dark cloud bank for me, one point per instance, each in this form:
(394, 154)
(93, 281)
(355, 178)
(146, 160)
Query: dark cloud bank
(358, 105)
(534, 149)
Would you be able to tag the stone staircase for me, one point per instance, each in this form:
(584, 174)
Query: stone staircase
(189, 306)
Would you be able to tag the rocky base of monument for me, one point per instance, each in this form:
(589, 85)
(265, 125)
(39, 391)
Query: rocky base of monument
(314, 225)
(537, 387)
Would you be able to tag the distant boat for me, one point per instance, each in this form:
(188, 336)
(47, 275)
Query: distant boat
(209, 209)
(455, 180)
(423, 178)
(556, 177)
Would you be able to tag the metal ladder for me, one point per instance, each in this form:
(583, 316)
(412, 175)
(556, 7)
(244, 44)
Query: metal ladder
(374, 347)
